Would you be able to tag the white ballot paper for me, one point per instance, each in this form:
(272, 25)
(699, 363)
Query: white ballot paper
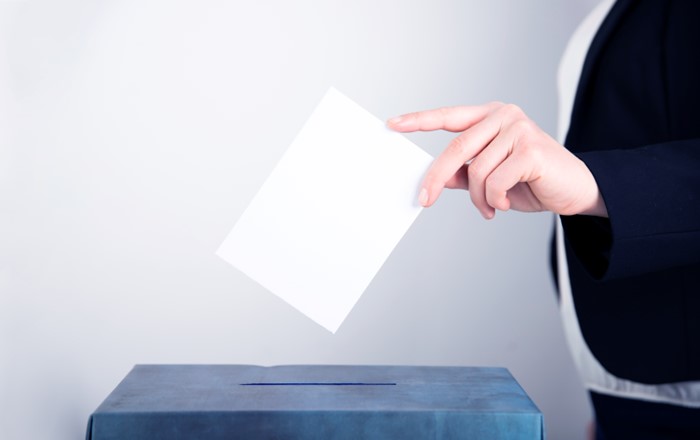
(331, 212)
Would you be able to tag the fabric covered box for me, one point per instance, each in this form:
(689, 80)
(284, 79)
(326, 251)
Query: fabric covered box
(316, 402)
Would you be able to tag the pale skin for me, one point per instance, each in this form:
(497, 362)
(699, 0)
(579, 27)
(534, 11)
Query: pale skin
(505, 161)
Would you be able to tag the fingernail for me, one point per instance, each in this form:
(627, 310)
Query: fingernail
(423, 197)
(395, 121)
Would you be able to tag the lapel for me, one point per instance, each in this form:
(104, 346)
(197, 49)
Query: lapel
(601, 38)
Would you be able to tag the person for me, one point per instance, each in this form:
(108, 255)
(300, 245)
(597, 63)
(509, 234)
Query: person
(626, 189)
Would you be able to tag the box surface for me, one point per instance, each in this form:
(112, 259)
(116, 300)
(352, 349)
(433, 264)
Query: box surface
(316, 402)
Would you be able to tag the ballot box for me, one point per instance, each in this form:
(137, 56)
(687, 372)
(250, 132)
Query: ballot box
(315, 402)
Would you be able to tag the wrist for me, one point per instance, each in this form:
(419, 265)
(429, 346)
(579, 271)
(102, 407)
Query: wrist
(596, 204)
(597, 208)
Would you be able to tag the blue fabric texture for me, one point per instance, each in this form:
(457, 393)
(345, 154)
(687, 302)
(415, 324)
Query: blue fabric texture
(316, 402)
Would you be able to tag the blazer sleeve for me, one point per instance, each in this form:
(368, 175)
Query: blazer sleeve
(652, 195)
(652, 192)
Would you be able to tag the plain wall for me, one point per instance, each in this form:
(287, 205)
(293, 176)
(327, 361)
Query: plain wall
(134, 134)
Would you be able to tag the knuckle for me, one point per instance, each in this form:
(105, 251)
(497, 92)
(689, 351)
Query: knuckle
(443, 113)
(531, 151)
(493, 105)
(523, 126)
(513, 111)
(475, 172)
(494, 185)
(457, 146)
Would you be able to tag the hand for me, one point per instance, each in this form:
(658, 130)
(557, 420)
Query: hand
(505, 161)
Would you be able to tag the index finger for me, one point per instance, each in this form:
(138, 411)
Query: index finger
(456, 119)
(461, 150)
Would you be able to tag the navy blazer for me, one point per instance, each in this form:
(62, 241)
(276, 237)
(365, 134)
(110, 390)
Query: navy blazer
(636, 124)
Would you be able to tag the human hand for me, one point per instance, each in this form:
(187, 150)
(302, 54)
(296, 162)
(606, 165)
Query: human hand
(505, 161)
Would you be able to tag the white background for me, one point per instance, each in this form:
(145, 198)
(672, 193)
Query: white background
(133, 135)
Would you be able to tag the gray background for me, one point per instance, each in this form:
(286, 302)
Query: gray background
(133, 135)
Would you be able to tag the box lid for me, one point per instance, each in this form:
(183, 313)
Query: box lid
(316, 401)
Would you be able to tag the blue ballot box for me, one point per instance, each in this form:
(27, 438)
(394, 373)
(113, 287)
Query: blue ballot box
(215, 402)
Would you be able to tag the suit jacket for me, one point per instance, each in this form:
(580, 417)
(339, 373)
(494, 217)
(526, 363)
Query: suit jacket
(636, 124)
